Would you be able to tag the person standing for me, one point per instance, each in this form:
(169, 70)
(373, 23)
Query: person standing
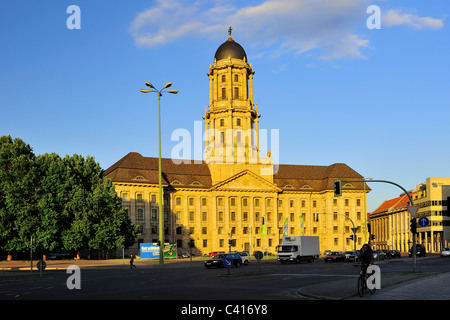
(132, 262)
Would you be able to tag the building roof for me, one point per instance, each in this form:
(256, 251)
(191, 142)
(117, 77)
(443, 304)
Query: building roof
(134, 168)
(392, 205)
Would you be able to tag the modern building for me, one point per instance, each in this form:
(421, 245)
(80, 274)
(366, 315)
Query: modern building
(234, 193)
(390, 223)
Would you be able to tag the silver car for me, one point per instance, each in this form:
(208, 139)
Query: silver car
(445, 252)
(245, 257)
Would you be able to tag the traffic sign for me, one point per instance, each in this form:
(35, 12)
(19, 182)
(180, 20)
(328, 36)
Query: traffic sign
(424, 221)
(258, 255)
(227, 262)
(41, 265)
(413, 209)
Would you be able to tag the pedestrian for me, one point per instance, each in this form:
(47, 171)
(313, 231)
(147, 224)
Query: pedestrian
(131, 262)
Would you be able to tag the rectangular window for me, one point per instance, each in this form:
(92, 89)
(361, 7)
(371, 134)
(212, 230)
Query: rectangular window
(140, 214)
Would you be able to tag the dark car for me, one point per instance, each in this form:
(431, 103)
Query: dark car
(58, 256)
(393, 254)
(217, 261)
(420, 251)
(335, 256)
(350, 256)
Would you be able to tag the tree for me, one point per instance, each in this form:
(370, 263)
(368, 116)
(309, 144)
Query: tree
(63, 203)
(18, 212)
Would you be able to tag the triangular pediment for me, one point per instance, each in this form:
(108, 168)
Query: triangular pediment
(245, 181)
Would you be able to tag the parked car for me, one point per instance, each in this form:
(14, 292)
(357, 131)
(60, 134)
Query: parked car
(445, 252)
(335, 256)
(58, 256)
(217, 261)
(215, 253)
(245, 257)
(394, 254)
(420, 251)
(350, 256)
(378, 255)
(386, 254)
(184, 254)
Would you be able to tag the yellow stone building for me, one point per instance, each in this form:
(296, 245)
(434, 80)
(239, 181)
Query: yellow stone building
(234, 193)
(390, 222)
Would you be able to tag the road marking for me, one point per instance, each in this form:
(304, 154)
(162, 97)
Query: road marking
(312, 275)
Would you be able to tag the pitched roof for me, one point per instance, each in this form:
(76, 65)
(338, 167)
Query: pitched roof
(134, 168)
(392, 205)
(300, 177)
(134, 165)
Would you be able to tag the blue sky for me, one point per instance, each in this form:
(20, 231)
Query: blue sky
(337, 91)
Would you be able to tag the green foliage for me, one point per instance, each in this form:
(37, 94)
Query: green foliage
(63, 203)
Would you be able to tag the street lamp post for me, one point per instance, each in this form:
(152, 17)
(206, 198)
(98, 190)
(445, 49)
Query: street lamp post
(161, 216)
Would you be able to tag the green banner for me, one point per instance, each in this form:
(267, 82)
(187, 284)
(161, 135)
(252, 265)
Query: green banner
(285, 227)
(264, 227)
(170, 250)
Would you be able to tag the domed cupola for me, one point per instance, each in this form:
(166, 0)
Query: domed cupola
(230, 48)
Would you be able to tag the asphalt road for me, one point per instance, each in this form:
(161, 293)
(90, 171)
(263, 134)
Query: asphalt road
(188, 281)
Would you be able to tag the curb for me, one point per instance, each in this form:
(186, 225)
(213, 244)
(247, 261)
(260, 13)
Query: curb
(342, 283)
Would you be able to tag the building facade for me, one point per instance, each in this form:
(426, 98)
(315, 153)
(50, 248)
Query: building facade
(234, 193)
(390, 223)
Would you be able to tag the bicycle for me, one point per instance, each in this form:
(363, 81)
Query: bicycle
(362, 284)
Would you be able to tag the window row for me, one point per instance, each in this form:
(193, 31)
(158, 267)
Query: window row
(233, 201)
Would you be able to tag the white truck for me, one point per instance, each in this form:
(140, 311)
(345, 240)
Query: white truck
(297, 248)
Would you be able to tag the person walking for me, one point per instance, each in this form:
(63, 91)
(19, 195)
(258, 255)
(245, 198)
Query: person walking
(132, 262)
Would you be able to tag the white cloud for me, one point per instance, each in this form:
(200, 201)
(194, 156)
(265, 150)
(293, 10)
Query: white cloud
(395, 17)
(292, 26)
(326, 28)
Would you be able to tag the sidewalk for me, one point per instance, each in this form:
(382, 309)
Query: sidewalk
(394, 286)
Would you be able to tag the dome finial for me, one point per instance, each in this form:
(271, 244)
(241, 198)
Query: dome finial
(229, 31)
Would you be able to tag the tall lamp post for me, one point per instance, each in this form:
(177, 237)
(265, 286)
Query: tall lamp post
(161, 216)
